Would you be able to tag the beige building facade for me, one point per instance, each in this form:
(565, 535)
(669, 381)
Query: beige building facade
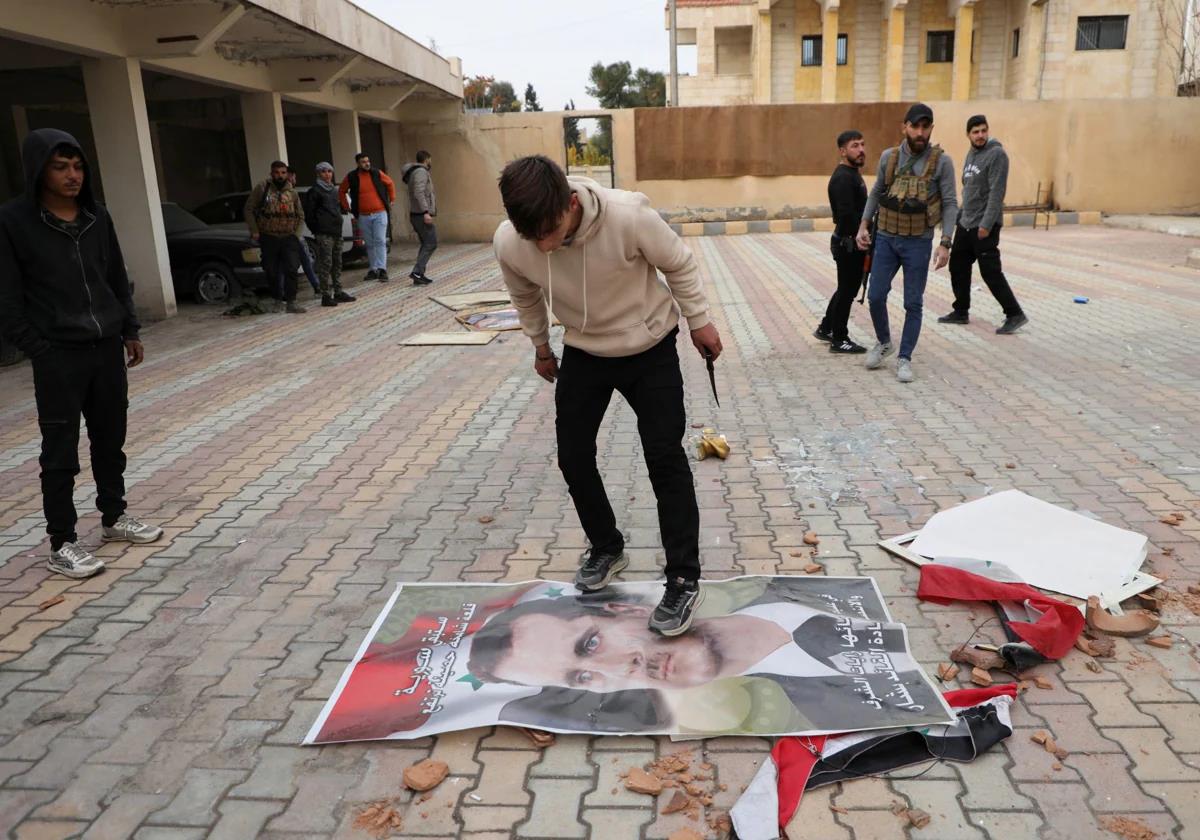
(789, 51)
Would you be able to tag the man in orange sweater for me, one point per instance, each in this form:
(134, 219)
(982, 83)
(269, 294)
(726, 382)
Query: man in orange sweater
(368, 194)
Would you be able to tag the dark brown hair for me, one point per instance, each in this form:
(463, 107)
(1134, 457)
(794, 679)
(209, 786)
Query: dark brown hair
(535, 194)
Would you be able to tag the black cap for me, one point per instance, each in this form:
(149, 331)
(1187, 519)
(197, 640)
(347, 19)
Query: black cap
(978, 119)
(919, 112)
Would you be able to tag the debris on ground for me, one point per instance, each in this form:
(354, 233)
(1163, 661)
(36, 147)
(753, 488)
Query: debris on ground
(838, 809)
(813, 568)
(1047, 742)
(981, 677)
(425, 775)
(710, 443)
(685, 834)
(639, 781)
(1094, 666)
(50, 602)
(541, 739)
(1175, 518)
(1098, 647)
(985, 659)
(1132, 623)
(1043, 683)
(1163, 642)
(379, 819)
(486, 520)
(678, 802)
(811, 538)
(898, 808)
(947, 672)
(1128, 828)
(917, 818)
(1148, 602)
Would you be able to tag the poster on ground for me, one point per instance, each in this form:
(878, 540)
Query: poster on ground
(765, 656)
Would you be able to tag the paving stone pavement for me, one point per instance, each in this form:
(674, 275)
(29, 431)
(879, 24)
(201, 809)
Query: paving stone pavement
(301, 466)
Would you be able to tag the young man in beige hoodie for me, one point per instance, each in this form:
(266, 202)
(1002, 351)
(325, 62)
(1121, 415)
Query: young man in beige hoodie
(590, 256)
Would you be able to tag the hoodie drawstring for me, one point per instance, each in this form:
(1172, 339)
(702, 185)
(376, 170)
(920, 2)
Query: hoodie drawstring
(550, 288)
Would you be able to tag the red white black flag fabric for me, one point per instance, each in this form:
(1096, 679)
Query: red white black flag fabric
(800, 763)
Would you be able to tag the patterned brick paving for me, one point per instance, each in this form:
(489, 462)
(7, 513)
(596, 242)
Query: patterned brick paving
(303, 465)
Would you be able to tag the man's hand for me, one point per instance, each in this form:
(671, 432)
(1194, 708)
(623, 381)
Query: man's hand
(545, 364)
(941, 256)
(863, 240)
(707, 341)
(135, 351)
(428, 219)
(983, 233)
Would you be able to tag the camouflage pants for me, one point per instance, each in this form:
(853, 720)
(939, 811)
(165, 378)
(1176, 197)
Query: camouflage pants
(329, 263)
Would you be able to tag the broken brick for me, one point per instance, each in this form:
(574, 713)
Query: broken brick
(639, 781)
(918, 818)
(947, 672)
(679, 800)
(813, 568)
(981, 677)
(1040, 737)
(50, 602)
(425, 775)
(1163, 642)
(1094, 666)
(1043, 683)
(838, 809)
(811, 538)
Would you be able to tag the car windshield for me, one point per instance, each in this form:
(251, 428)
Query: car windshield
(226, 210)
(176, 219)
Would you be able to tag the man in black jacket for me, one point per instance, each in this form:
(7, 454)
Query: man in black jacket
(847, 198)
(65, 302)
(324, 216)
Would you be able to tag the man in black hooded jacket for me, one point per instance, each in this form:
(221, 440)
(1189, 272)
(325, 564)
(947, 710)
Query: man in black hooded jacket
(65, 301)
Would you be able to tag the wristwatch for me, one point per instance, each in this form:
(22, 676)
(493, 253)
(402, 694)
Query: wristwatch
(945, 243)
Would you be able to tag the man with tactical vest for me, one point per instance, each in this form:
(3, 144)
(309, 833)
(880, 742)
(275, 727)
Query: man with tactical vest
(977, 239)
(914, 192)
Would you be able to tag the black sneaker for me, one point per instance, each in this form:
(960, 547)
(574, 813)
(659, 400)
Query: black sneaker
(420, 280)
(955, 317)
(822, 335)
(343, 297)
(846, 346)
(674, 614)
(372, 274)
(1012, 324)
(382, 276)
(598, 569)
(328, 300)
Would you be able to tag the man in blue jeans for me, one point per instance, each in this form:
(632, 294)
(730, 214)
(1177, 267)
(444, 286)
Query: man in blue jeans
(914, 191)
(368, 193)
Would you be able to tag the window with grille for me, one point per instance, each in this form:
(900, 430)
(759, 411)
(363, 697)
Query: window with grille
(1016, 43)
(810, 50)
(939, 47)
(1104, 32)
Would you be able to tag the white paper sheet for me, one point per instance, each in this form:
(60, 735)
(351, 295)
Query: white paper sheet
(1047, 546)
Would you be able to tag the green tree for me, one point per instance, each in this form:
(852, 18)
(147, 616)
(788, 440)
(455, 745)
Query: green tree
(475, 91)
(617, 85)
(531, 100)
(503, 98)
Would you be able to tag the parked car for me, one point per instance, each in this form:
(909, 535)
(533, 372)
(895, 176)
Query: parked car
(209, 264)
(229, 212)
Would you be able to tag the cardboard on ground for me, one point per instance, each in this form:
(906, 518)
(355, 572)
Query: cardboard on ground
(425, 339)
(1047, 546)
(472, 300)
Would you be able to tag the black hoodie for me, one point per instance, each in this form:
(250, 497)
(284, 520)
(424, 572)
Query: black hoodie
(55, 287)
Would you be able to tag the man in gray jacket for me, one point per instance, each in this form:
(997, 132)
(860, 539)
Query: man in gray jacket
(977, 235)
(422, 207)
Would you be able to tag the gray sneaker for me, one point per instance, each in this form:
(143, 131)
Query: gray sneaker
(74, 561)
(598, 569)
(674, 614)
(904, 370)
(294, 308)
(128, 529)
(877, 354)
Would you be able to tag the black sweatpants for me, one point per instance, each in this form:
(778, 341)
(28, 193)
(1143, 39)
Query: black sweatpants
(652, 384)
(969, 248)
(87, 380)
(850, 266)
(427, 233)
(281, 254)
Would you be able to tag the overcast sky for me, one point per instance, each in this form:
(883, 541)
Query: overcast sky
(545, 42)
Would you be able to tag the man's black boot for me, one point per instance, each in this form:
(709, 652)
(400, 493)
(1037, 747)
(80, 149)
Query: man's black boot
(821, 334)
(598, 568)
(1012, 324)
(343, 297)
(674, 614)
(955, 317)
(327, 300)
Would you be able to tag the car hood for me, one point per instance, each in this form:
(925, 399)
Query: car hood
(209, 234)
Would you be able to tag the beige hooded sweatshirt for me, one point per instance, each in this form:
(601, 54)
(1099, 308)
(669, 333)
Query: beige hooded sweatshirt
(602, 284)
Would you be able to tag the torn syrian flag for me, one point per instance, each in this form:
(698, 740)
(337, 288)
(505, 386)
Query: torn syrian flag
(800, 763)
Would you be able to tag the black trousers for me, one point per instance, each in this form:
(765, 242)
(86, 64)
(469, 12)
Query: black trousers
(281, 256)
(850, 267)
(968, 248)
(428, 236)
(652, 384)
(88, 380)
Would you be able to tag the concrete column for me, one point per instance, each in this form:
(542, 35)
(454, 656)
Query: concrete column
(345, 140)
(1033, 42)
(829, 68)
(893, 49)
(394, 156)
(262, 122)
(762, 58)
(960, 79)
(117, 104)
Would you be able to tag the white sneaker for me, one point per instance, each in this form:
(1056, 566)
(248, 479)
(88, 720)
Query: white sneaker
(904, 370)
(74, 561)
(128, 529)
(877, 354)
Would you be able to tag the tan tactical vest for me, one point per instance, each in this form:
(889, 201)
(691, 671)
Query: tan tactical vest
(906, 208)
